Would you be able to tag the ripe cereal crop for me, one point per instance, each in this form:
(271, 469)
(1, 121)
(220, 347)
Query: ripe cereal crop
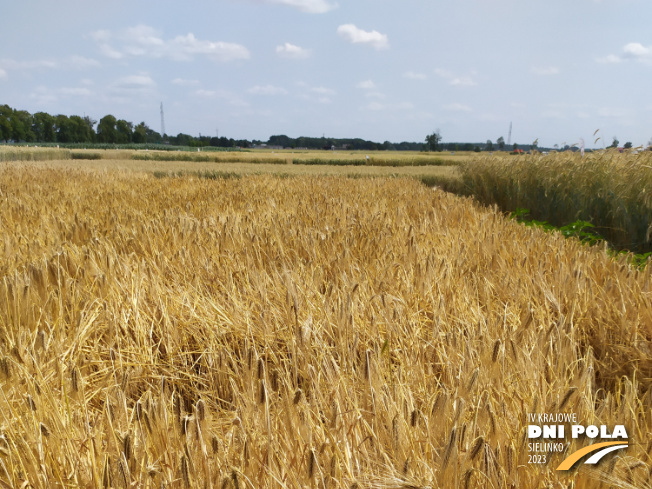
(264, 332)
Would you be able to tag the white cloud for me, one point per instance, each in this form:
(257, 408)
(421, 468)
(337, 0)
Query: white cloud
(321, 95)
(637, 50)
(366, 85)
(100, 36)
(611, 58)
(184, 47)
(307, 6)
(351, 33)
(82, 63)
(323, 90)
(288, 50)
(230, 97)
(377, 106)
(182, 82)
(8, 65)
(43, 95)
(206, 93)
(443, 73)
(455, 107)
(632, 50)
(455, 80)
(267, 90)
(414, 76)
(71, 62)
(369, 87)
(109, 52)
(614, 112)
(76, 92)
(142, 40)
(11, 64)
(463, 81)
(133, 85)
(544, 70)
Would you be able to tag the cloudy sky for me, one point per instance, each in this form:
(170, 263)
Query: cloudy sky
(376, 69)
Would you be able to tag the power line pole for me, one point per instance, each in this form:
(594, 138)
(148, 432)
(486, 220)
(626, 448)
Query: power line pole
(162, 121)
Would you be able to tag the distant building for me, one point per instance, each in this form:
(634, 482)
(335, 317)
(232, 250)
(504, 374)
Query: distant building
(266, 146)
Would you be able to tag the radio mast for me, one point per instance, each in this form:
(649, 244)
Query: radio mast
(162, 121)
(509, 137)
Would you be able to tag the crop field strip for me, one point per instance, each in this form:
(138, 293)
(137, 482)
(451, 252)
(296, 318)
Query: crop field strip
(345, 158)
(122, 161)
(312, 332)
(611, 190)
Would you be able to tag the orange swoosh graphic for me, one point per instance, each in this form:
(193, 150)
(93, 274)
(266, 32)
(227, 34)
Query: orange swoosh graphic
(574, 457)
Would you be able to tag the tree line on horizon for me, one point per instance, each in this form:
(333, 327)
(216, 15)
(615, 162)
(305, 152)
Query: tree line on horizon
(19, 126)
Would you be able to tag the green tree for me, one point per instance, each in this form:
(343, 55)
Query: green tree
(433, 140)
(489, 146)
(182, 139)
(89, 129)
(82, 129)
(500, 142)
(124, 131)
(43, 127)
(628, 145)
(280, 140)
(64, 129)
(153, 136)
(106, 131)
(140, 133)
(21, 125)
(614, 143)
(6, 131)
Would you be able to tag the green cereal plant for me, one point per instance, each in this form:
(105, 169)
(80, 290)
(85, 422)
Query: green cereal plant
(609, 190)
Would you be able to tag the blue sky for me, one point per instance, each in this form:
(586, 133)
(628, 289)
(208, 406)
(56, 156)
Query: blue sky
(377, 69)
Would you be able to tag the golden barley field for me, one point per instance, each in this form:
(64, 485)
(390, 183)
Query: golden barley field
(282, 163)
(256, 156)
(317, 332)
